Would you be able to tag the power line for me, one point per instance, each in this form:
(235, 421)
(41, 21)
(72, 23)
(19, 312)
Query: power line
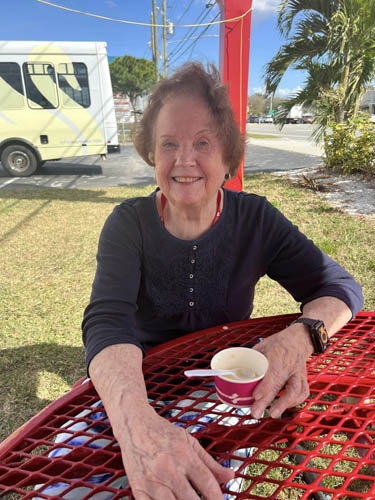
(200, 18)
(185, 11)
(204, 13)
(105, 18)
(154, 24)
(182, 45)
(194, 37)
(173, 8)
(193, 43)
(182, 15)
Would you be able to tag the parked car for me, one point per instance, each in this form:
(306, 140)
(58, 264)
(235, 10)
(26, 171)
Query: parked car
(293, 120)
(307, 118)
(252, 119)
(266, 119)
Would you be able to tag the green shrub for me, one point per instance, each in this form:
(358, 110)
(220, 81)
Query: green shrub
(350, 147)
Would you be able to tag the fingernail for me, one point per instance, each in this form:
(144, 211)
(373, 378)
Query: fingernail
(256, 414)
(274, 414)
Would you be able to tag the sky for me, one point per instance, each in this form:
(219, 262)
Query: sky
(32, 20)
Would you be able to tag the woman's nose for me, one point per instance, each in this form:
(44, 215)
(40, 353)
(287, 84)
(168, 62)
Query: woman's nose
(185, 155)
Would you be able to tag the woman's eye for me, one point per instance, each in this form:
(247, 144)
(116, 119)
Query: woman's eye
(169, 145)
(203, 144)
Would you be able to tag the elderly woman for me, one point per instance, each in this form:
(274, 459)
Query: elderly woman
(187, 257)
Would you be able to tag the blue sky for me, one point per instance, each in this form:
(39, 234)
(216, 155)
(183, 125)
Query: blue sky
(31, 20)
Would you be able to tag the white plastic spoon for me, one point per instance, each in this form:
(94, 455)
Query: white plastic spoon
(240, 373)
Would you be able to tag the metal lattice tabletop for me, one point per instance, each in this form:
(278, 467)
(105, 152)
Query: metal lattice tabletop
(323, 449)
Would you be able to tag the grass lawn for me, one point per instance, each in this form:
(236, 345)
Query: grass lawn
(48, 242)
(262, 136)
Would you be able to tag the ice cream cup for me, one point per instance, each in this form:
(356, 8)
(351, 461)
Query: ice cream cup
(231, 390)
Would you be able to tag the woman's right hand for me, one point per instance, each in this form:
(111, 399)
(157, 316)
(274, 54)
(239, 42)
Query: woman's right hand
(163, 461)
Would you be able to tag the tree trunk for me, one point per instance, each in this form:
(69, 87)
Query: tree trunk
(343, 91)
(340, 114)
(133, 101)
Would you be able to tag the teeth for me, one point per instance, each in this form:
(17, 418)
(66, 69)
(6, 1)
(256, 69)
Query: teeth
(186, 179)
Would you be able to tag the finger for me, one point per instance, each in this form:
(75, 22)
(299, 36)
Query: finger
(296, 391)
(185, 491)
(271, 384)
(258, 408)
(221, 473)
(206, 473)
(204, 481)
(265, 392)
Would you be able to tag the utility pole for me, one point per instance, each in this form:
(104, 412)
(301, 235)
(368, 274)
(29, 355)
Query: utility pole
(155, 33)
(152, 37)
(164, 38)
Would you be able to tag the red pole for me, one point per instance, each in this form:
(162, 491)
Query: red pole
(234, 63)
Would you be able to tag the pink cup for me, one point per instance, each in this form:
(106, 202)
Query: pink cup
(238, 392)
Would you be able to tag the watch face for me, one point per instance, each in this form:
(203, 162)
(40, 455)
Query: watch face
(323, 335)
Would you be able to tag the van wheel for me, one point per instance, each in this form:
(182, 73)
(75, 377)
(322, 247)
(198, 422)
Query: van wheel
(19, 161)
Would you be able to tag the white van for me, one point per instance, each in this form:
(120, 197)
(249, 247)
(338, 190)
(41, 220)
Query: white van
(56, 102)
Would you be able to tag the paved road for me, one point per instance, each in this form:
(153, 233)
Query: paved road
(299, 132)
(127, 168)
(295, 138)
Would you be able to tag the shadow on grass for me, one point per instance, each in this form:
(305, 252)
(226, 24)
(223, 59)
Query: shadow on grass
(46, 196)
(53, 194)
(21, 379)
(328, 210)
(252, 169)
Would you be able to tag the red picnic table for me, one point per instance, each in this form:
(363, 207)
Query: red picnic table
(322, 449)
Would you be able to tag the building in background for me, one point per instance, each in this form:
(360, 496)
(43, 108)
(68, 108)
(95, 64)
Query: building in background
(126, 115)
(122, 108)
(368, 101)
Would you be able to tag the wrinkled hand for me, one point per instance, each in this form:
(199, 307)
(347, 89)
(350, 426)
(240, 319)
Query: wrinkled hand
(163, 461)
(287, 354)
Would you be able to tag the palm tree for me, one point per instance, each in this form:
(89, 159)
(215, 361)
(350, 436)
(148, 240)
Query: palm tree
(333, 41)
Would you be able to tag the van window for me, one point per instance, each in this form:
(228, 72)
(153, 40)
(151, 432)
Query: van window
(40, 82)
(74, 85)
(11, 87)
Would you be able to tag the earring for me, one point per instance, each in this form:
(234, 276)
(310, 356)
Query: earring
(227, 176)
(151, 157)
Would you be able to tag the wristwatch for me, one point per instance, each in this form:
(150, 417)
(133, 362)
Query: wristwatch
(318, 333)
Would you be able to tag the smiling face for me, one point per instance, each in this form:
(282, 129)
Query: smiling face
(189, 167)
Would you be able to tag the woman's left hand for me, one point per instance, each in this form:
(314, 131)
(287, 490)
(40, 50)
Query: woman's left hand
(287, 352)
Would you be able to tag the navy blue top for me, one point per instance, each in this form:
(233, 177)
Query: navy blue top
(151, 287)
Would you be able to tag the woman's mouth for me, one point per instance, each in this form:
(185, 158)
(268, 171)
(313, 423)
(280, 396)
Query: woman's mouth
(186, 179)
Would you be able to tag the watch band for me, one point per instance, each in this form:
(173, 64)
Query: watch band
(318, 333)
